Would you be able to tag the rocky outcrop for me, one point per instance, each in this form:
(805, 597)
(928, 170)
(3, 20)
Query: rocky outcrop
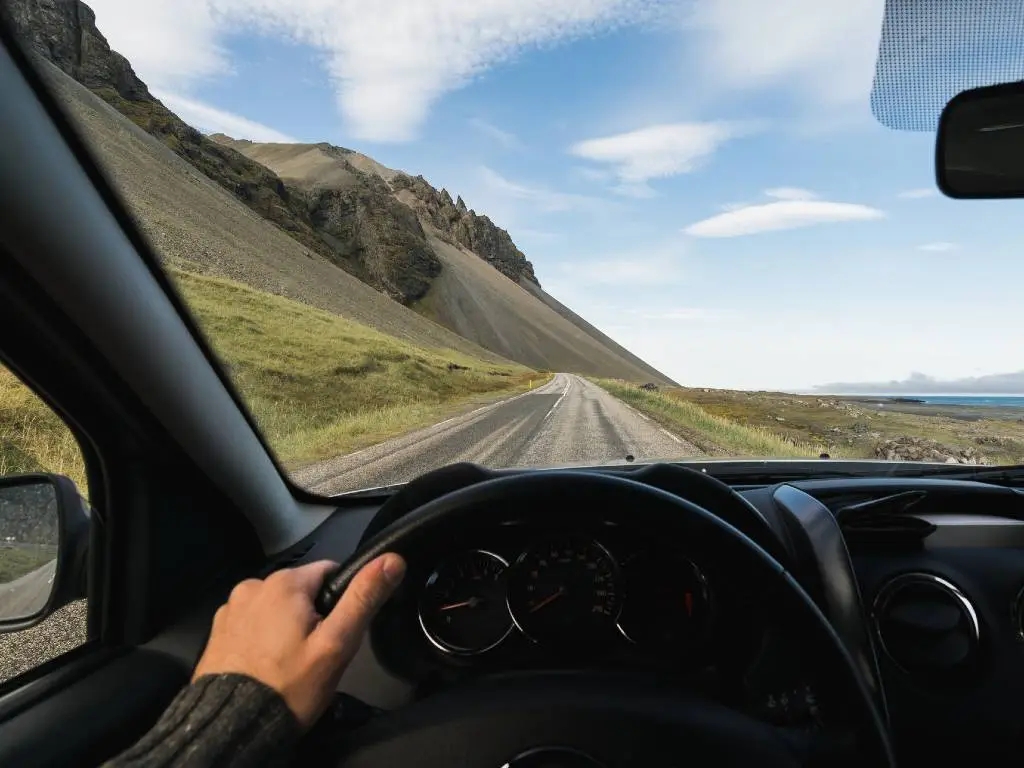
(920, 449)
(362, 229)
(368, 227)
(465, 227)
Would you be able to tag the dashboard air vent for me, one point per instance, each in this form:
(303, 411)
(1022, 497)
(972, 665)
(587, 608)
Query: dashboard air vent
(927, 627)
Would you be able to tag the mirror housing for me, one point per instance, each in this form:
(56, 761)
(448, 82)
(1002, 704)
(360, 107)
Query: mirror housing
(62, 515)
(979, 149)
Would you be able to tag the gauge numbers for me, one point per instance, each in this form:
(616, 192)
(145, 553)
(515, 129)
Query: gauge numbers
(561, 590)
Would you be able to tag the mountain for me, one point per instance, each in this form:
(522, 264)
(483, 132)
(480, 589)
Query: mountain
(323, 166)
(486, 290)
(342, 224)
(922, 384)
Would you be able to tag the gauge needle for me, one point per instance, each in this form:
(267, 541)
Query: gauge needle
(548, 599)
(471, 603)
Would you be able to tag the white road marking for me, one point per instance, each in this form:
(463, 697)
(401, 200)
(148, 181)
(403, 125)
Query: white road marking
(669, 434)
(559, 400)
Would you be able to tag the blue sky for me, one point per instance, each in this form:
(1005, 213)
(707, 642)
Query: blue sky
(702, 179)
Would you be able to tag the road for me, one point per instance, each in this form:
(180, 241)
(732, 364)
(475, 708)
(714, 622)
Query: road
(567, 421)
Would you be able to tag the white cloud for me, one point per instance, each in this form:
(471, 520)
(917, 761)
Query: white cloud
(540, 197)
(506, 139)
(917, 194)
(388, 61)
(826, 50)
(937, 247)
(790, 193)
(784, 214)
(657, 151)
(212, 120)
(170, 43)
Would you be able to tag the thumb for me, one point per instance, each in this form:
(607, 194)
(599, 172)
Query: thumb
(343, 629)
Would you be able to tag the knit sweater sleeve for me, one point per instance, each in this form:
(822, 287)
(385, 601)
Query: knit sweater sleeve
(225, 720)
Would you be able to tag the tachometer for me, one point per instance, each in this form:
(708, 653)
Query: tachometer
(564, 589)
(462, 607)
(667, 604)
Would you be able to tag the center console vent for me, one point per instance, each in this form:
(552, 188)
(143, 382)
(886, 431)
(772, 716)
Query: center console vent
(928, 628)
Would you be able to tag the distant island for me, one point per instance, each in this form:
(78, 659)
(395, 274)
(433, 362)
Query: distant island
(919, 384)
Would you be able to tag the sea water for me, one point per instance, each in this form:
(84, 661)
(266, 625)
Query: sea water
(999, 401)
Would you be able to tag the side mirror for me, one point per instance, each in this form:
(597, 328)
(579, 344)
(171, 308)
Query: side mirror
(44, 542)
(979, 151)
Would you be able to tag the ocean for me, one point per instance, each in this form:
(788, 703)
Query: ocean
(1000, 401)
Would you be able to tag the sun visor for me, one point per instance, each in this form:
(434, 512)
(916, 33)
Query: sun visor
(931, 50)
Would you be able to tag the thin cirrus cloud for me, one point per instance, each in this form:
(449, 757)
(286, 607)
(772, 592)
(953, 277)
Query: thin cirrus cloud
(787, 211)
(212, 120)
(504, 138)
(790, 193)
(937, 247)
(387, 62)
(917, 194)
(657, 151)
(541, 198)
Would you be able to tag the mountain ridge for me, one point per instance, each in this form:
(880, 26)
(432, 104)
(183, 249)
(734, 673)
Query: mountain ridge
(391, 231)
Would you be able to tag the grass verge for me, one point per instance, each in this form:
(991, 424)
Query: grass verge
(15, 562)
(320, 385)
(714, 435)
(33, 438)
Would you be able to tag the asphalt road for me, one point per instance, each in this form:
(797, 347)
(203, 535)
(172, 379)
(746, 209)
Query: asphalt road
(568, 421)
(28, 593)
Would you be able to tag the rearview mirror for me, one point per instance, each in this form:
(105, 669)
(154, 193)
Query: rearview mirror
(979, 151)
(44, 534)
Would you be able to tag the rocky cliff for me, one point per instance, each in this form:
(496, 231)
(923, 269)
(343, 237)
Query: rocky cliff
(364, 229)
(465, 227)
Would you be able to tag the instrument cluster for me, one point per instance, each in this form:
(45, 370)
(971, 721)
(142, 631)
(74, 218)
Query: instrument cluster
(565, 592)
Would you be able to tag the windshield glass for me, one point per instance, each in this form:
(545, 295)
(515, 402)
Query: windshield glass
(551, 232)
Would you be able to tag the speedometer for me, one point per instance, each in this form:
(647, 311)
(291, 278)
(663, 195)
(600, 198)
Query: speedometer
(563, 589)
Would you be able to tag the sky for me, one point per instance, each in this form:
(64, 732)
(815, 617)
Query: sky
(704, 180)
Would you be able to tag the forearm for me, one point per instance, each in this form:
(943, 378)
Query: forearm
(219, 720)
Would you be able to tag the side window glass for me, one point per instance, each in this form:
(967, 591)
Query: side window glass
(44, 521)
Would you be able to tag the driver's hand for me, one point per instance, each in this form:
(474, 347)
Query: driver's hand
(269, 630)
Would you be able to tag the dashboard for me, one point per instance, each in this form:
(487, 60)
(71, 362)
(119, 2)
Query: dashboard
(603, 593)
(938, 565)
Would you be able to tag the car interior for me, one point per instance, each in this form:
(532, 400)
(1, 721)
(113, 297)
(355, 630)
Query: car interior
(732, 612)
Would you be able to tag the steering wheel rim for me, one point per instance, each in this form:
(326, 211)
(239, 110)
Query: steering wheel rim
(572, 495)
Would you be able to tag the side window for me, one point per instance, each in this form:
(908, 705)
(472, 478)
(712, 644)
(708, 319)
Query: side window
(44, 521)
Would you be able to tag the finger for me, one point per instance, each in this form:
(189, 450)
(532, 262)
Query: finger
(244, 590)
(343, 629)
(310, 577)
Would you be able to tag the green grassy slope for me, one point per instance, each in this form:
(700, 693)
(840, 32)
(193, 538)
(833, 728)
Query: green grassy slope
(319, 385)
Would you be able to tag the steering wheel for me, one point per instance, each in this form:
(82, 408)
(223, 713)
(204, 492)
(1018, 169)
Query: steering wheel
(590, 719)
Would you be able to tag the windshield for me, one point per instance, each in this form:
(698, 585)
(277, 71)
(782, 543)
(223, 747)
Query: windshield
(550, 232)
